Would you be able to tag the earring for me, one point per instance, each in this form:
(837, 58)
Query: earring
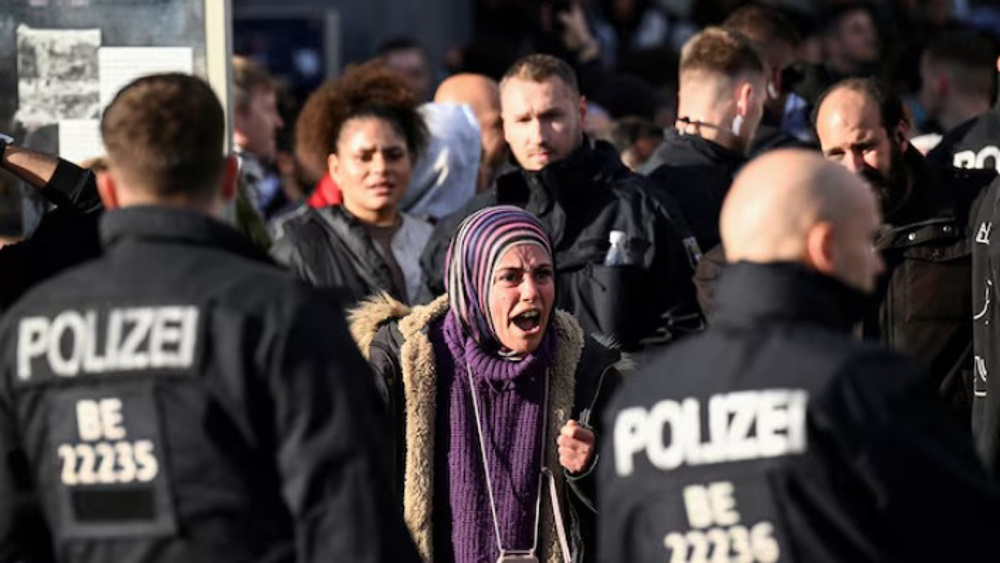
(737, 125)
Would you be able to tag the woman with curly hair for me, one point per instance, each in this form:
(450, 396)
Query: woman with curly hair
(366, 129)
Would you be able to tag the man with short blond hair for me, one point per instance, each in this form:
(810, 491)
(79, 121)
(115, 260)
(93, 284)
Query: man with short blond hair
(723, 85)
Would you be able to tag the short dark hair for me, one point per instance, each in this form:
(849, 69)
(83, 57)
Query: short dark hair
(890, 105)
(248, 79)
(368, 90)
(763, 25)
(165, 133)
(721, 51)
(970, 56)
(833, 16)
(539, 67)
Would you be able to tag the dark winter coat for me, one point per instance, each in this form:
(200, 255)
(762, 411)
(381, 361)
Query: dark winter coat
(583, 377)
(237, 421)
(775, 436)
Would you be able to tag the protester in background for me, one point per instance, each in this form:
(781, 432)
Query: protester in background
(586, 198)
(635, 139)
(486, 385)
(959, 73)
(407, 58)
(465, 150)
(778, 43)
(482, 94)
(850, 40)
(222, 412)
(255, 126)
(368, 124)
(852, 457)
(723, 84)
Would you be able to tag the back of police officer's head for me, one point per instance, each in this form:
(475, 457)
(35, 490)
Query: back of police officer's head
(794, 206)
(957, 77)
(164, 136)
(723, 83)
(542, 110)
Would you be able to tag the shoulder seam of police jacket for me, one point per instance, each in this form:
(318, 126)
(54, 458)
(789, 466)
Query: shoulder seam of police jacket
(368, 316)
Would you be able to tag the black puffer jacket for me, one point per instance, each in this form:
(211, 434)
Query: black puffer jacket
(584, 376)
(580, 200)
(696, 173)
(774, 436)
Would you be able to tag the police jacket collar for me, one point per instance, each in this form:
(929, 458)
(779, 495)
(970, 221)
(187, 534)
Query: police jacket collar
(174, 225)
(679, 149)
(569, 181)
(750, 295)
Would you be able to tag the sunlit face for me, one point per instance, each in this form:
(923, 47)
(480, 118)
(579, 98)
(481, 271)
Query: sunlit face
(850, 131)
(521, 297)
(856, 261)
(542, 121)
(371, 166)
(256, 124)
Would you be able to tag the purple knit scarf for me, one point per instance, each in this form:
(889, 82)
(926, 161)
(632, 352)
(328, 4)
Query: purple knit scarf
(511, 397)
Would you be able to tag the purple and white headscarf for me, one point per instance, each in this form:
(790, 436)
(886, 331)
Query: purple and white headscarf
(481, 240)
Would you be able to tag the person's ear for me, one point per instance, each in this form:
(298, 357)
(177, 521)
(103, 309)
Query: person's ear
(744, 98)
(107, 190)
(821, 251)
(902, 135)
(230, 178)
(583, 109)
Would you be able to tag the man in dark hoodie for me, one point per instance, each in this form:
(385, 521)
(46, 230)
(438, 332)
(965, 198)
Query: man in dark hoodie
(640, 290)
(720, 104)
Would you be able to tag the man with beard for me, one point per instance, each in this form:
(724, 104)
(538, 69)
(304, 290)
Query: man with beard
(923, 300)
(586, 198)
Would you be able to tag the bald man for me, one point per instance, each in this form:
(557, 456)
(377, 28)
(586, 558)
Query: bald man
(775, 436)
(482, 94)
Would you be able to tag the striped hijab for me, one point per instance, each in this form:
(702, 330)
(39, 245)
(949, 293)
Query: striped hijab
(481, 240)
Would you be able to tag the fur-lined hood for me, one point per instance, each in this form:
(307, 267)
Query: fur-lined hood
(419, 378)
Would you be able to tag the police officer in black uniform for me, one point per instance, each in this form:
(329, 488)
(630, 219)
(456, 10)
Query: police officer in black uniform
(775, 436)
(180, 398)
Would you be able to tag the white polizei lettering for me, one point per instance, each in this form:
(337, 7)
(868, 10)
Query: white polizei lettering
(742, 425)
(972, 159)
(985, 153)
(130, 355)
(93, 362)
(133, 339)
(964, 159)
(628, 439)
(32, 340)
(983, 234)
(70, 322)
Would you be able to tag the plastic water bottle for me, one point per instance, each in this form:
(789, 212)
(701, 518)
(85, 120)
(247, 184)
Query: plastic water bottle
(617, 253)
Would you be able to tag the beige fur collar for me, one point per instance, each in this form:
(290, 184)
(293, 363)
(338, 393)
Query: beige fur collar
(419, 383)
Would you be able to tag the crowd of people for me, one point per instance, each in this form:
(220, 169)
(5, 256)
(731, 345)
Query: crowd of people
(559, 311)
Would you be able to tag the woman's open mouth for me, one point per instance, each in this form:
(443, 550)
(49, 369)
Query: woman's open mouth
(528, 321)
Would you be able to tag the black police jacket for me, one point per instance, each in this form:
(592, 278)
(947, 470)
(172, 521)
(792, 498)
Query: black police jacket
(924, 297)
(973, 144)
(66, 235)
(986, 331)
(696, 173)
(775, 436)
(580, 200)
(182, 399)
